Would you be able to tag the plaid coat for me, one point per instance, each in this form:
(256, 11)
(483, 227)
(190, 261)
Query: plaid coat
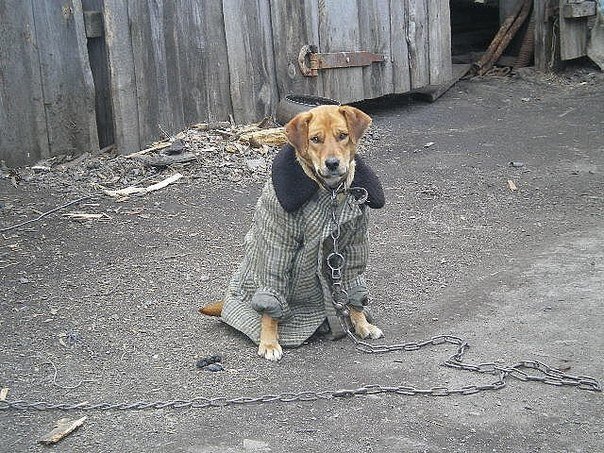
(283, 272)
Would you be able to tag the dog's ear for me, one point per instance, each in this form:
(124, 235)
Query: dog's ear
(357, 121)
(297, 131)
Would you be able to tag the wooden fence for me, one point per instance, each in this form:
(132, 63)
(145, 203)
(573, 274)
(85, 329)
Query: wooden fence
(73, 80)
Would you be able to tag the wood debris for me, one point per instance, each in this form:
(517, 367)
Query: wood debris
(211, 126)
(154, 147)
(63, 427)
(512, 185)
(133, 190)
(162, 160)
(272, 137)
(84, 216)
(4, 393)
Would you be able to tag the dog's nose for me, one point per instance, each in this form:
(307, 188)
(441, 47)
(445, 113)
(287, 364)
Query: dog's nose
(332, 163)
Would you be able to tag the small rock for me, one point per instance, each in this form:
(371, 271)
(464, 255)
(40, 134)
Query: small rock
(207, 361)
(255, 164)
(24, 280)
(176, 147)
(255, 445)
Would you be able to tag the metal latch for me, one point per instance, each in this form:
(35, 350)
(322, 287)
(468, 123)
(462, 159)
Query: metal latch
(310, 61)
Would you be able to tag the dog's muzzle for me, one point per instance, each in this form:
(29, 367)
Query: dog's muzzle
(332, 172)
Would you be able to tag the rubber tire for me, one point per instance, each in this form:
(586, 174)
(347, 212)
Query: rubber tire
(293, 104)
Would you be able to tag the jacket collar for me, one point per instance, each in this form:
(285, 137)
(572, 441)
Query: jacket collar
(294, 188)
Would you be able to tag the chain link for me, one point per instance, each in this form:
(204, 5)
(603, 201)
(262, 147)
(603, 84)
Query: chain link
(335, 263)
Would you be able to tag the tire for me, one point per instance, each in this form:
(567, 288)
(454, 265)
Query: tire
(293, 104)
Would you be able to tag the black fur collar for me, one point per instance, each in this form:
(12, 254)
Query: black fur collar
(294, 188)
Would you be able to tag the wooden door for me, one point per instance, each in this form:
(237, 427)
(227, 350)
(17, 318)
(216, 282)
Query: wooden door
(413, 36)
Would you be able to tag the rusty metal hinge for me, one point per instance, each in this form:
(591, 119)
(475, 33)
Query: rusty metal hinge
(310, 61)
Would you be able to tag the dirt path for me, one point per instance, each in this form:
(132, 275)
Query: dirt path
(520, 274)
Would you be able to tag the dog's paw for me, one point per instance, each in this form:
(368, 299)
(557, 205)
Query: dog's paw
(270, 350)
(366, 330)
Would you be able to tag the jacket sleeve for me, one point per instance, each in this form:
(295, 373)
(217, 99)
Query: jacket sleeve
(356, 253)
(272, 244)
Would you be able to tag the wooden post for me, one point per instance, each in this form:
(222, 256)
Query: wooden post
(547, 53)
(23, 136)
(123, 81)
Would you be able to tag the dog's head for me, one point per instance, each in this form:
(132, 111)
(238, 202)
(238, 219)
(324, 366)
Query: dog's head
(325, 140)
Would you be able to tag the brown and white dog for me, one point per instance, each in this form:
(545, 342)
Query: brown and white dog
(325, 141)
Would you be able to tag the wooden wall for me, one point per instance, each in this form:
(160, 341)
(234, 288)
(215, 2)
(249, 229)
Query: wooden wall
(164, 64)
(46, 88)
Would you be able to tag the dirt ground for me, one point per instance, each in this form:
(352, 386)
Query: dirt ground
(107, 310)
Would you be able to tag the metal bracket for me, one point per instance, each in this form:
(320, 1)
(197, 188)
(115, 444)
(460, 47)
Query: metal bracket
(310, 61)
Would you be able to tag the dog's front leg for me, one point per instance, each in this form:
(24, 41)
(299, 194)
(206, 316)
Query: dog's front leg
(362, 327)
(269, 347)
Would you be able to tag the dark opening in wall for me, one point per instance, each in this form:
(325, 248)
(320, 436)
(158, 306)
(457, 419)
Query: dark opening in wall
(473, 25)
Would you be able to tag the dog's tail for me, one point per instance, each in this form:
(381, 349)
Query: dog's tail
(214, 309)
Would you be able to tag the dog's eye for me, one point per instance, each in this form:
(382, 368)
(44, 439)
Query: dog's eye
(342, 136)
(315, 139)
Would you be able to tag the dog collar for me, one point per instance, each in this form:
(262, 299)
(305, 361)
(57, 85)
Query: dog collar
(294, 188)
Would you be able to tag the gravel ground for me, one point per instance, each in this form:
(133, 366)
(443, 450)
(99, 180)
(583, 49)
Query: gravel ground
(106, 310)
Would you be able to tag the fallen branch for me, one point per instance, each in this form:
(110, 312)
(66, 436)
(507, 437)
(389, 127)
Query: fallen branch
(133, 190)
(44, 214)
(155, 147)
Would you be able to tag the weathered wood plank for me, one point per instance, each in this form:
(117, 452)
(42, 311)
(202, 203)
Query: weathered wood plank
(99, 65)
(398, 47)
(202, 63)
(23, 135)
(573, 35)
(545, 59)
(294, 24)
(595, 46)
(374, 23)
(156, 68)
(432, 92)
(251, 59)
(123, 81)
(66, 77)
(417, 40)
(339, 32)
(439, 41)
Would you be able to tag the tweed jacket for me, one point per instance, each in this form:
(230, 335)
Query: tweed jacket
(283, 272)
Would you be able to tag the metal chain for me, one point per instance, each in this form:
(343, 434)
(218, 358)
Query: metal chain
(336, 262)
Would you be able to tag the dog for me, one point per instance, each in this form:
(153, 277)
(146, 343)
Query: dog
(281, 293)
